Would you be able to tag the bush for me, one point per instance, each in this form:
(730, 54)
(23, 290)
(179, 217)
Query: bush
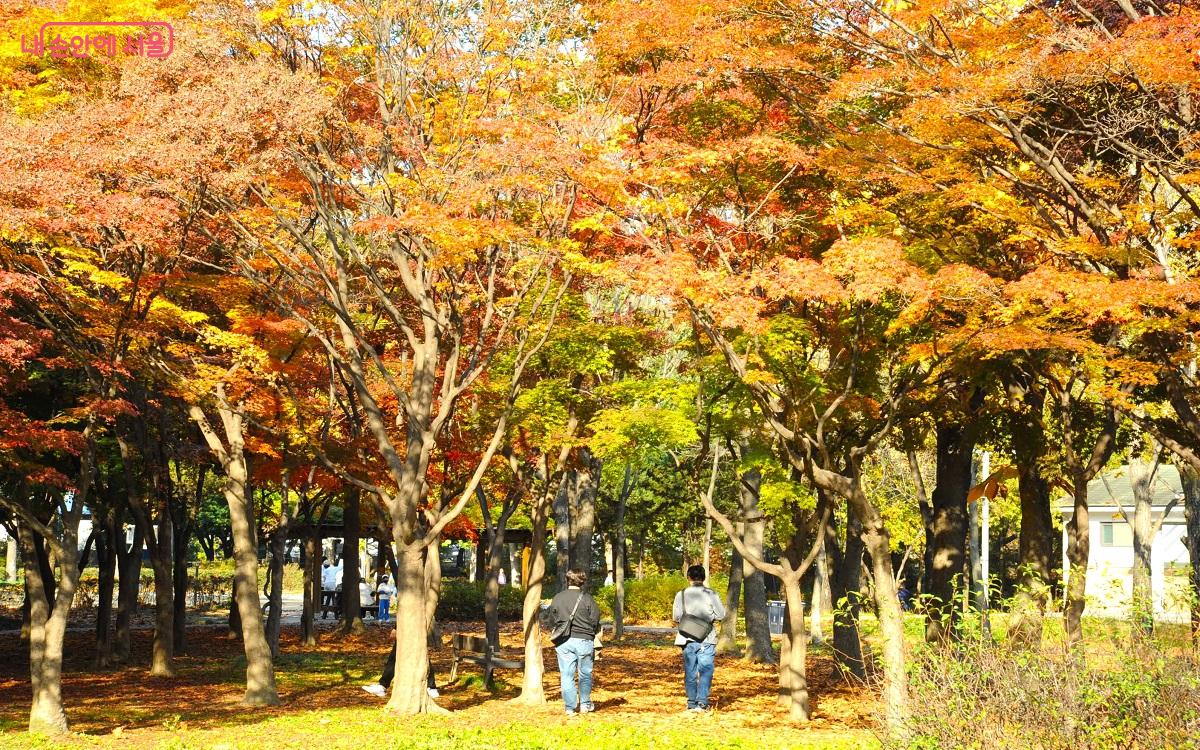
(650, 599)
(991, 697)
(463, 601)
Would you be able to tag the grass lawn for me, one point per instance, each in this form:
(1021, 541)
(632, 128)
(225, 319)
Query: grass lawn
(638, 696)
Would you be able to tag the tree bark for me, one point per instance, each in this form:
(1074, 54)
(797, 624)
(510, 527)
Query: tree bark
(129, 571)
(821, 599)
(949, 527)
(583, 512)
(533, 692)
(1035, 545)
(106, 561)
(793, 677)
(276, 544)
(433, 591)
(312, 587)
(1078, 550)
(409, 694)
(727, 640)
(260, 671)
(1141, 603)
(562, 528)
(179, 581)
(351, 609)
(1190, 478)
(845, 587)
(162, 653)
(618, 573)
(758, 628)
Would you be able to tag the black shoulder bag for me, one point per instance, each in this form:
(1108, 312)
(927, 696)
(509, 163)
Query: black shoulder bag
(693, 627)
(562, 629)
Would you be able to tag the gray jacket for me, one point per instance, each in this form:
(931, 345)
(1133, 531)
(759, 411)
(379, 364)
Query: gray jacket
(702, 602)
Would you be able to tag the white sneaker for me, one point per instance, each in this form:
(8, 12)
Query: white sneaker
(433, 693)
(375, 689)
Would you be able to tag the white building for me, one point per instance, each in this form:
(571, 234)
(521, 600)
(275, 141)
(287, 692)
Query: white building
(1110, 559)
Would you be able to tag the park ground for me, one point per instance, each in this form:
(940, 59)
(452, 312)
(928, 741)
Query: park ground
(638, 696)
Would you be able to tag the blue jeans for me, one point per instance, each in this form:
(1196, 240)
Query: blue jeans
(575, 653)
(698, 672)
(385, 610)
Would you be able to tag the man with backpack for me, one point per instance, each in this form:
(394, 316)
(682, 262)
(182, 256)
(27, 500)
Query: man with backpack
(696, 609)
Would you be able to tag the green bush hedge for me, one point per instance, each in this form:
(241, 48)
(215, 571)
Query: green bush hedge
(650, 599)
(463, 601)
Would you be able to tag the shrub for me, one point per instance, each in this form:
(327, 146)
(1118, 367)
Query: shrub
(991, 697)
(463, 601)
(650, 599)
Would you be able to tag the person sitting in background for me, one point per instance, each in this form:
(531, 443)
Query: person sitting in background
(366, 598)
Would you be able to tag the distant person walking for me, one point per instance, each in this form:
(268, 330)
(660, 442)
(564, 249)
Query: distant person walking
(385, 591)
(575, 654)
(695, 610)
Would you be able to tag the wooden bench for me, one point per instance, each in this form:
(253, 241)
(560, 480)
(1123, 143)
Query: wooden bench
(476, 649)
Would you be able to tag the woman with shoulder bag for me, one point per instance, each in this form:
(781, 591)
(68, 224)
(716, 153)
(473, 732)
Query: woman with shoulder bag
(576, 622)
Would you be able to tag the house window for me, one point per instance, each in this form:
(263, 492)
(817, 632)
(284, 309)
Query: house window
(1116, 534)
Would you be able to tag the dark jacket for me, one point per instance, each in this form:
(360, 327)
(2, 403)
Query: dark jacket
(586, 621)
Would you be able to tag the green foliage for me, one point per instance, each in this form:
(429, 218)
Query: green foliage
(650, 599)
(463, 601)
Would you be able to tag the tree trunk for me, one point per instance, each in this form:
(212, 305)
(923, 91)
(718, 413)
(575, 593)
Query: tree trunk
(562, 528)
(727, 640)
(106, 561)
(10, 559)
(793, 679)
(129, 571)
(1029, 450)
(46, 632)
(1078, 550)
(409, 694)
(845, 586)
(1035, 554)
(351, 609)
(1141, 603)
(533, 692)
(276, 544)
(163, 649)
(260, 671)
(491, 587)
(233, 625)
(758, 628)
(583, 512)
(949, 527)
(1191, 513)
(890, 616)
(181, 538)
(312, 587)
(820, 597)
(433, 591)
(618, 572)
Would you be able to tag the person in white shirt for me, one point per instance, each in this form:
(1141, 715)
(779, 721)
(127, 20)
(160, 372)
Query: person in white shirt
(328, 589)
(366, 598)
(385, 591)
(703, 607)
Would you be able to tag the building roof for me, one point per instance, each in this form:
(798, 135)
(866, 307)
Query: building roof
(1114, 485)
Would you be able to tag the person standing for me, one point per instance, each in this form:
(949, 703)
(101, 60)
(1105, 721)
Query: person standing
(575, 654)
(328, 590)
(696, 609)
(385, 591)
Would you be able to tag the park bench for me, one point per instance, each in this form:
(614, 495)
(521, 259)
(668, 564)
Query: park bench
(476, 649)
